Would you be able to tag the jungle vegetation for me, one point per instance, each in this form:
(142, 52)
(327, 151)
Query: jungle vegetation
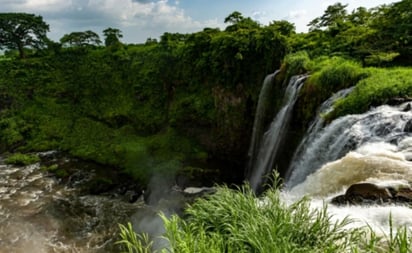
(185, 101)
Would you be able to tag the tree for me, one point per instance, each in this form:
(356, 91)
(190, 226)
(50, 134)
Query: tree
(396, 27)
(20, 30)
(112, 36)
(333, 17)
(283, 27)
(80, 39)
(237, 21)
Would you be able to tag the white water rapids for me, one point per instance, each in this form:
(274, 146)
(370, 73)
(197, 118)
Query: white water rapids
(374, 147)
(39, 214)
(379, 163)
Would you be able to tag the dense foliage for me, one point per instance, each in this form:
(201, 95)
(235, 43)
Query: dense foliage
(155, 107)
(188, 100)
(378, 36)
(21, 30)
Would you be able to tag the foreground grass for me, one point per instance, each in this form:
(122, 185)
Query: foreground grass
(237, 221)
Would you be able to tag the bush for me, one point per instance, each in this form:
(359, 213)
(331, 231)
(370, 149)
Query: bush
(296, 64)
(333, 74)
(379, 88)
(236, 221)
(22, 159)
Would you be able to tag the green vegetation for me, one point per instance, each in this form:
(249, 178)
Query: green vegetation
(22, 159)
(132, 242)
(157, 107)
(328, 75)
(186, 102)
(56, 170)
(188, 99)
(20, 30)
(237, 221)
(380, 87)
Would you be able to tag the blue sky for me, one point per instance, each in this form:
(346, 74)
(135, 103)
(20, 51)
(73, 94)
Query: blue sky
(141, 19)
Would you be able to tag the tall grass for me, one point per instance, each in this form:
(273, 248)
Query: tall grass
(131, 242)
(237, 221)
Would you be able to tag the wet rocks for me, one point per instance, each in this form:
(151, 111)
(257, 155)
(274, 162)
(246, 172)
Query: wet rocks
(408, 127)
(368, 194)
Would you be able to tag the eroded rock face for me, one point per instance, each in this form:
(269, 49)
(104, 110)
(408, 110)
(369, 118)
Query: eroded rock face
(368, 193)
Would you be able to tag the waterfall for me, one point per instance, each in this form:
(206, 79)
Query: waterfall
(373, 147)
(315, 127)
(263, 150)
(385, 124)
(258, 126)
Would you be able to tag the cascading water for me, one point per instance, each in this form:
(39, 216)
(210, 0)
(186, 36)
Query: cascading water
(374, 147)
(383, 124)
(316, 126)
(263, 151)
(258, 126)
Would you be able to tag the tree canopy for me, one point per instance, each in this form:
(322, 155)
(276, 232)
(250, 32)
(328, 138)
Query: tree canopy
(20, 30)
(80, 39)
(112, 36)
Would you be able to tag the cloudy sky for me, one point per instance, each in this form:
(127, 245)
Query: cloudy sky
(141, 19)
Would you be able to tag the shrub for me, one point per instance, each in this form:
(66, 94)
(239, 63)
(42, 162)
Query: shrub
(22, 159)
(379, 88)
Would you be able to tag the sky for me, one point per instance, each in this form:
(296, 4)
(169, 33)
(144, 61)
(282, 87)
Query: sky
(141, 19)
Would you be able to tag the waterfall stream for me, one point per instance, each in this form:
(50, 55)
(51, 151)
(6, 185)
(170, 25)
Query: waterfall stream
(263, 153)
(384, 124)
(315, 127)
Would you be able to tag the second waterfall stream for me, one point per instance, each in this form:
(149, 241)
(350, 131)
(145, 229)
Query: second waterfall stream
(373, 147)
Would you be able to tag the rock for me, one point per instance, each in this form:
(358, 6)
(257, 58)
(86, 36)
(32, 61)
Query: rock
(363, 194)
(367, 191)
(407, 108)
(408, 127)
(398, 100)
(199, 190)
(403, 195)
(368, 194)
(339, 200)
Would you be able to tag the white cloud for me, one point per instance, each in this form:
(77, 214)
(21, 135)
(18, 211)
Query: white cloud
(45, 5)
(300, 18)
(259, 15)
(297, 14)
(142, 17)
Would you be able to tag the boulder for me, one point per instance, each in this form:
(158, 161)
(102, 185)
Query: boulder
(368, 193)
(407, 108)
